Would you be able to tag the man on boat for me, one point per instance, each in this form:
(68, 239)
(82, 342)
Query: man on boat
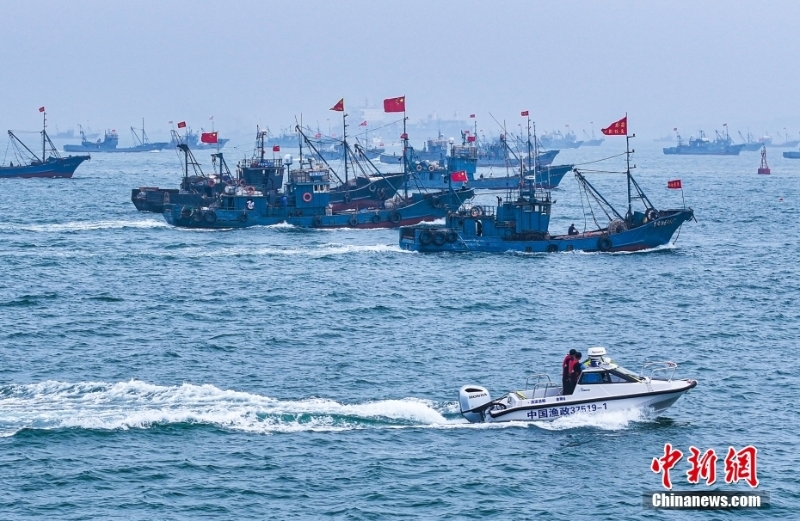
(574, 372)
(572, 230)
(565, 370)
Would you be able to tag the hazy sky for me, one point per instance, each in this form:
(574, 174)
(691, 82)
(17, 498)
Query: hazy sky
(679, 63)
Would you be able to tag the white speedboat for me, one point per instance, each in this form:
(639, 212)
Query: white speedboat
(603, 386)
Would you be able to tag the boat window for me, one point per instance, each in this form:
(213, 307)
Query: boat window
(632, 377)
(593, 378)
(621, 378)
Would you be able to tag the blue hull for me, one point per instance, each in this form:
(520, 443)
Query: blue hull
(419, 210)
(791, 155)
(546, 178)
(464, 239)
(543, 159)
(62, 167)
(732, 150)
(150, 147)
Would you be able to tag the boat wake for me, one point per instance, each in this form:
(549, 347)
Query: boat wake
(79, 226)
(53, 405)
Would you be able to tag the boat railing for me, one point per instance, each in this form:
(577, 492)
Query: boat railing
(478, 210)
(465, 152)
(540, 378)
(651, 369)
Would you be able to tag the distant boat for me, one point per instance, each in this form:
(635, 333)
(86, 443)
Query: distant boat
(787, 143)
(51, 164)
(560, 141)
(721, 146)
(111, 140)
(592, 141)
(193, 141)
(750, 144)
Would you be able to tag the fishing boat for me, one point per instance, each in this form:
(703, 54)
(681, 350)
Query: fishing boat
(750, 143)
(792, 155)
(787, 142)
(592, 141)
(558, 140)
(520, 222)
(50, 164)
(111, 140)
(499, 153)
(721, 146)
(603, 386)
(306, 202)
(193, 141)
(433, 150)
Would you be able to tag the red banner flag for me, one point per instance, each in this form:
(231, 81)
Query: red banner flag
(339, 107)
(276, 148)
(472, 115)
(470, 139)
(618, 128)
(363, 123)
(459, 176)
(41, 109)
(674, 184)
(317, 135)
(523, 113)
(395, 104)
(403, 136)
(208, 137)
(182, 124)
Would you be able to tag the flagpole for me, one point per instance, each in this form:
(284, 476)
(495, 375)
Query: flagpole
(628, 170)
(344, 146)
(405, 152)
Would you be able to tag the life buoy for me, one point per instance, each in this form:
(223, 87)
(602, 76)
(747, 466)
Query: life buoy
(439, 238)
(419, 168)
(353, 220)
(307, 197)
(210, 216)
(604, 244)
(371, 187)
(425, 237)
(552, 248)
(318, 221)
(243, 217)
(476, 211)
(249, 190)
(652, 214)
(431, 168)
(452, 236)
(395, 217)
(210, 182)
(376, 218)
(240, 182)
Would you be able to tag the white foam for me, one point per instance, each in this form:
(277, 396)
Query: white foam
(609, 420)
(78, 226)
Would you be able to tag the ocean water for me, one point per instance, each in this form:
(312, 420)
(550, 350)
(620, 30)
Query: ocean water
(148, 372)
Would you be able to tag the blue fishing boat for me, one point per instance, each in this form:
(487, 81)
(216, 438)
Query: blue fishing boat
(558, 140)
(498, 153)
(592, 141)
(791, 155)
(305, 202)
(193, 141)
(29, 165)
(521, 223)
(433, 150)
(721, 146)
(750, 144)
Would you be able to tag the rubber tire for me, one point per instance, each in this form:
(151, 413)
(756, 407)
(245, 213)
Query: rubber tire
(353, 221)
(210, 216)
(439, 238)
(376, 219)
(395, 218)
(425, 237)
(317, 221)
(604, 244)
(242, 217)
(452, 236)
(436, 202)
(552, 248)
(476, 211)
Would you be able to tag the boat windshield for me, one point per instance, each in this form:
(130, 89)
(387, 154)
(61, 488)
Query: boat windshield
(624, 371)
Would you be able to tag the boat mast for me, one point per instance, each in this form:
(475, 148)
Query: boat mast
(344, 145)
(628, 153)
(529, 143)
(44, 133)
(404, 138)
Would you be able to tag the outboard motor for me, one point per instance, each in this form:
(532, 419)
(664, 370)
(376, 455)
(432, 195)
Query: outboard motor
(472, 397)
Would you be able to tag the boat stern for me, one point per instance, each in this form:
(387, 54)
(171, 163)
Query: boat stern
(471, 400)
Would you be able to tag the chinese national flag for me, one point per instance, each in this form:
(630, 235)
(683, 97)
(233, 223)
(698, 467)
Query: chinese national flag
(339, 107)
(41, 109)
(208, 137)
(182, 124)
(674, 184)
(276, 148)
(618, 128)
(363, 123)
(523, 113)
(395, 104)
(459, 177)
(470, 139)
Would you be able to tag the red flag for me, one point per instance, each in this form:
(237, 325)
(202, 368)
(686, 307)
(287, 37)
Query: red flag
(403, 136)
(41, 109)
(339, 107)
(276, 148)
(363, 123)
(395, 104)
(470, 139)
(208, 137)
(618, 128)
(472, 115)
(674, 184)
(459, 176)
(317, 135)
(523, 113)
(182, 124)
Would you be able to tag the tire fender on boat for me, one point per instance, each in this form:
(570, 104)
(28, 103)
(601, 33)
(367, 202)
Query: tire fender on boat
(436, 202)
(317, 221)
(353, 220)
(376, 218)
(425, 237)
(395, 217)
(476, 211)
(439, 238)
(243, 217)
(452, 236)
(604, 244)
(552, 248)
(210, 216)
